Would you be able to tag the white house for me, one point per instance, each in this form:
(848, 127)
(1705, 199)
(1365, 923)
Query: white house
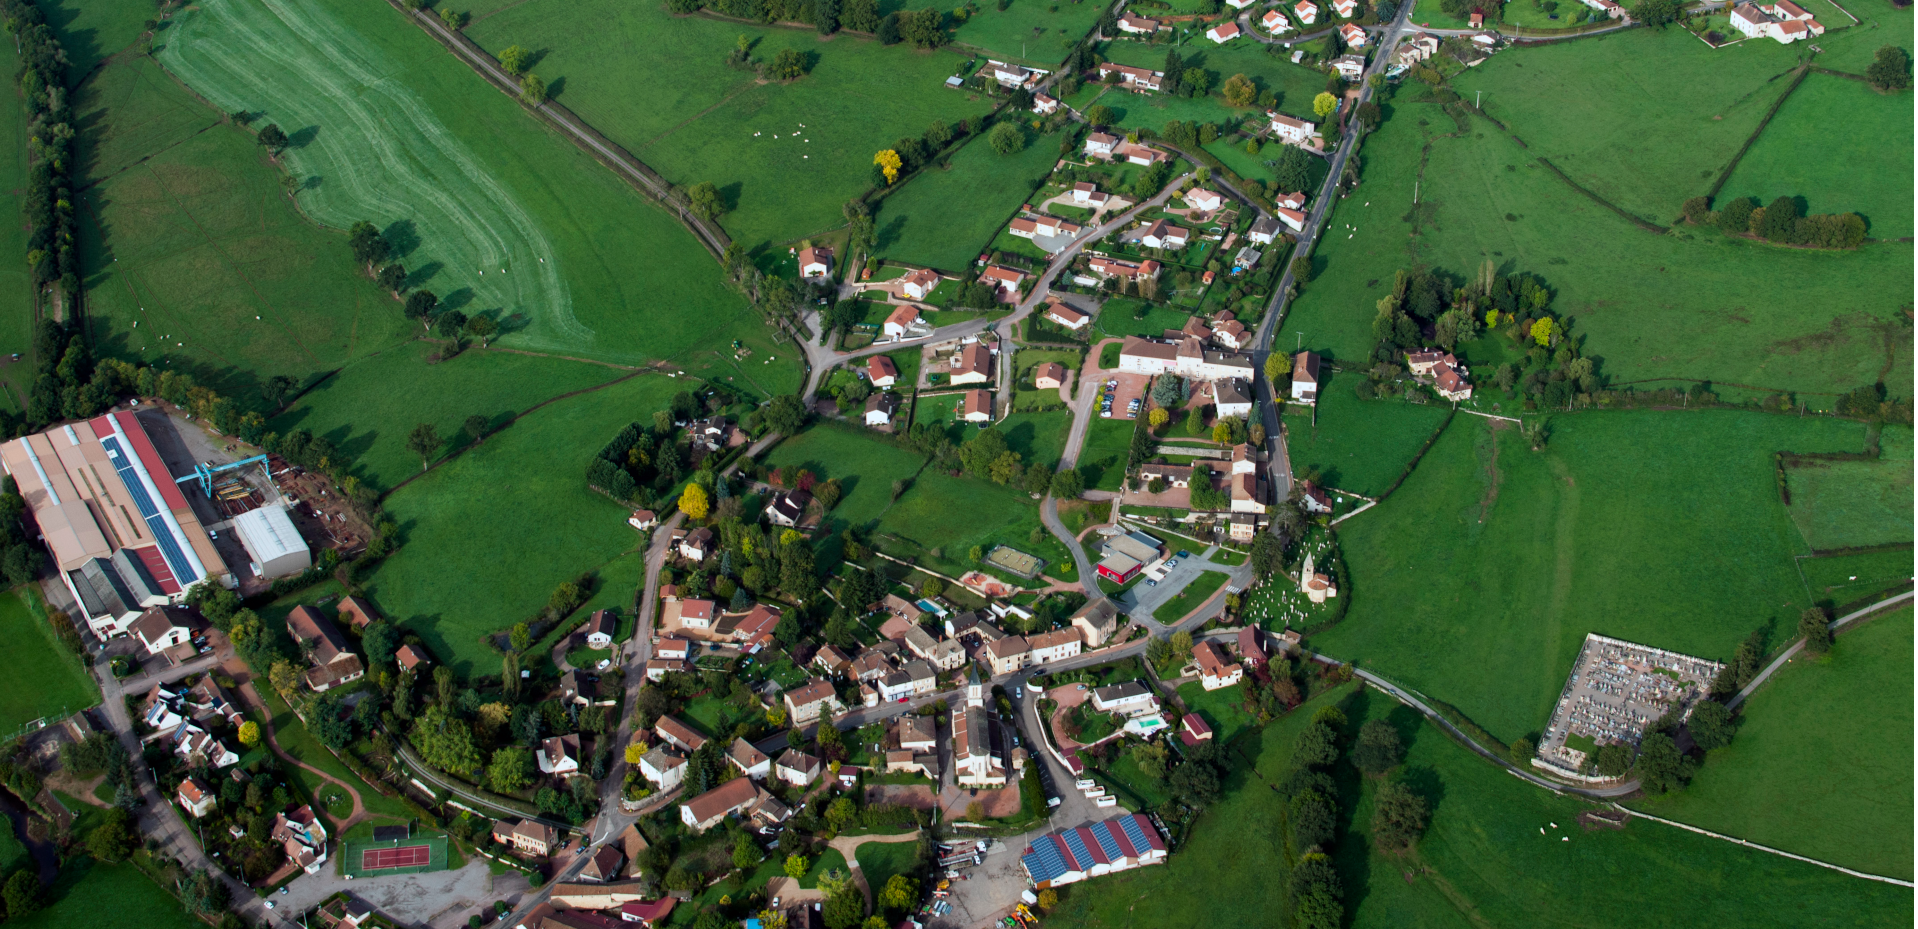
(1232, 397)
(881, 407)
(1264, 231)
(1101, 145)
(882, 372)
(672, 649)
(1274, 22)
(1223, 32)
(1004, 282)
(1088, 194)
(664, 767)
(195, 797)
(976, 407)
(1350, 67)
(1291, 201)
(1293, 219)
(1240, 4)
(1306, 12)
(1345, 8)
(797, 768)
(1137, 25)
(1162, 234)
(1044, 104)
(696, 614)
(1607, 7)
(815, 262)
(917, 284)
(1011, 75)
(1067, 317)
(1216, 670)
(1782, 20)
(1199, 198)
(1186, 358)
(1055, 645)
(810, 702)
(1132, 698)
(1133, 77)
(1291, 131)
(1354, 36)
(1113, 267)
(1305, 378)
(788, 509)
(559, 755)
(905, 318)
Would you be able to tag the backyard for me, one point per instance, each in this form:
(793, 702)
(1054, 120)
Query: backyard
(1222, 709)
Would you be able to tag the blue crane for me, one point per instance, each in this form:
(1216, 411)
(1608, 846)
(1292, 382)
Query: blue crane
(204, 472)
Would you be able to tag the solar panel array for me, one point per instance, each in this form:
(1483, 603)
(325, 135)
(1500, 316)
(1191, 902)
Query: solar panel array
(162, 533)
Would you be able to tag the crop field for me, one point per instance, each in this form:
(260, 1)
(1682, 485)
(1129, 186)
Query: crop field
(1774, 784)
(1851, 504)
(46, 678)
(786, 156)
(487, 536)
(1039, 32)
(490, 211)
(1618, 140)
(918, 225)
(1479, 578)
(362, 415)
(1358, 445)
(106, 896)
(1693, 304)
(1862, 170)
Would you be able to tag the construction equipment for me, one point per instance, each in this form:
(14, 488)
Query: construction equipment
(204, 472)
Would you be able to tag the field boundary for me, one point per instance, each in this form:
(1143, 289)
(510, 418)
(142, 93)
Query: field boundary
(1763, 848)
(1420, 456)
(1726, 175)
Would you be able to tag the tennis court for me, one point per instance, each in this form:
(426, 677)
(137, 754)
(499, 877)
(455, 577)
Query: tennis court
(393, 854)
(412, 856)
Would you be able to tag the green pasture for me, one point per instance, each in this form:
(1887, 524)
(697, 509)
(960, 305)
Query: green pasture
(1119, 316)
(46, 679)
(106, 896)
(362, 415)
(1851, 49)
(1477, 581)
(1691, 304)
(500, 216)
(1863, 139)
(13, 853)
(918, 223)
(1429, 13)
(486, 537)
(1295, 85)
(1039, 32)
(941, 518)
(1847, 714)
(91, 31)
(865, 468)
(1851, 504)
(1600, 109)
(16, 286)
(786, 156)
(1846, 578)
(1358, 445)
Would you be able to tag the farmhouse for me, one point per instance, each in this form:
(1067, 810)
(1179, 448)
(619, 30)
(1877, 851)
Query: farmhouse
(1274, 22)
(1291, 131)
(1354, 36)
(1782, 20)
(1313, 498)
(1305, 377)
(1216, 670)
(1060, 312)
(1306, 12)
(1137, 25)
(815, 262)
(917, 284)
(1049, 376)
(1223, 33)
(1106, 847)
(880, 408)
(972, 364)
(1447, 375)
(1138, 78)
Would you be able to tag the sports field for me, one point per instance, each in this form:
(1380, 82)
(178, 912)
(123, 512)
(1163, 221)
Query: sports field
(1822, 762)
(1040, 32)
(1479, 578)
(918, 224)
(786, 157)
(487, 537)
(1358, 445)
(1850, 504)
(1691, 304)
(1863, 169)
(361, 855)
(494, 213)
(46, 680)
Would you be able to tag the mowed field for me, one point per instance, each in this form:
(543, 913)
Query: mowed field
(487, 536)
(1864, 143)
(1477, 581)
(46, 679)
(786, 157)
(1359, 445)
(1693, 304)
(1851, 504)
(1822, 762)
(491, 211)
(920, 223)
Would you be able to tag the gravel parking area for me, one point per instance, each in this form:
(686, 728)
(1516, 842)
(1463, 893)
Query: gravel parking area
(442, 899)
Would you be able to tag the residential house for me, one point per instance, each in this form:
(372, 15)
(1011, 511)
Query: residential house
(1010, 75)
(1354, 36)
(1263, 232)
(1137, 25)
(1215, 669)
(1313, 498)
(678, 734)
(358, 613)
(696, 614)
(1008, 654)
(753, 629)
(815, 262)
(1232, 334)
(1240, 4)
(1783, 20)
(1305, 377)
(881, 371)
(788, 509)
(975, 763)
(1291, 131)
(1248, 493)
(1293, 219)
(1101, 145)
(303, 835)
(976, 407)
(1086, 193)
(917, 284)
(1132, 78)
(1305, 12)
(600, 629)
(972, 364)
(1124, 270)
(664, 767)
(870, 665)
(1252, 646)
(1350, 67)
(1452, 385)
(559, 755)
(1345, 8)
(1193, 730)
(1162, 234)
(1097, 621)
(333, 665)
(1058, 311)
(1223, 32)
(526, 836)
(161, 628)
(1232, 397)
(648, 913)
(195, 797)
(881, 408)
(673, 649)
(811, 702)
(748, 759)
(1056, 645)
(698, 544)
(830, 659)
(706, 810)
(1105, 847)
(917, 734)
(1049, 376)
(1204, 200)
(1316, 585)
(1133, 698)
(943, 654)
(602, 867)
(797, 768)
(896, 685)
(1005, 282)
(658, 668)
(1291, 201)
(1044, 104)
(1419, 46)
(1274, 22)
(1139, 154)
(195, 746)
(904, 319)
(1607, 7)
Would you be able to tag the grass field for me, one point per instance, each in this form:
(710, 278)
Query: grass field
(1478, 579)
(1222, 709)
(1849, 712)
(1358, 445)
(107, 896)
(1040, 437)
(1851, 49)
(1042, 33)
(879, 861)
(489, 535)
(494, 213)
(46, 679)
(1863, 167)
(917, 224)
(1851, 504)
(1103, 456)
(714, 716)
(1195, 593)
(300, 743)
(831, 860)
(1692, 304)
(1118, 316)
(864, 468)
(362, 415)
(1294, 85)
(659, 86)
(16, 287)
(1845, 578)
(1620, 139)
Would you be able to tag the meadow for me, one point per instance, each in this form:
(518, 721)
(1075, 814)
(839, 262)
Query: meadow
(865, 469)
(1842, 579)
(1119, 316)
(1652, 308)
(1358, 445)
(1038, 32)
(107, 896)
(1848, 712)
(491, 211)
(1852, 504)
(1862, 169)
(786, 156)
(1038, 437)
(918, 223)
(1477, 581)
(47, 679)
(486, 537)
(1851, 50)
(1103, 456)
(362, 415)
(16, 286)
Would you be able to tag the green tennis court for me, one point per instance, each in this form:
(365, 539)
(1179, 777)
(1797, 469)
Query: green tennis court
(385, 854)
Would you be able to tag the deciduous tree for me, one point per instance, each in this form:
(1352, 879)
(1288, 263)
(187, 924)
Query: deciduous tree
(513, 59)
(272, 139)
(1324, 104)
(693, 502)
(1398, 816)
(1815, 625)
(1007, 138)
(423, 441)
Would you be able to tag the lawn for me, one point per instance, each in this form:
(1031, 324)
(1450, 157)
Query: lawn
(106, 896)
(500, 215)
(1692, 304)
(47, 680)
(865, 468)
(1135, 790)
(1861, 170)
(1197, 592)
(1103, 456)
(296, 741)
(1774, 785)
(879, 861)
(1477, 581)
(1222, 709)
(1039, 32)
(364, 417)
(1358, 445)
(1038, 437)
(918, 225)
(1119, 316)
(1852, 504)
(487, 536)
(831, 860)
(785, 156)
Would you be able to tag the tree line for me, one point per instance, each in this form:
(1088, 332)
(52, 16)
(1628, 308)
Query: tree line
(376, 254)
(1781, 221)
(923, 29)
(51, 255)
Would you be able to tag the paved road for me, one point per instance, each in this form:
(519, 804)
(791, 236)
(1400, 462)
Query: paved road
(1837, 625)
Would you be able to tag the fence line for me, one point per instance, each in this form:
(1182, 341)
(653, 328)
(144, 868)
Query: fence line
(1764, 848)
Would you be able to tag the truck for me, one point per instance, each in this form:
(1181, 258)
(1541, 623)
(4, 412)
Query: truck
(964, 859)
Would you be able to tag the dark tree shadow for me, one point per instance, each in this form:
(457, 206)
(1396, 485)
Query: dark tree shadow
(301, 138)
(418, 277)
(402, 237)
